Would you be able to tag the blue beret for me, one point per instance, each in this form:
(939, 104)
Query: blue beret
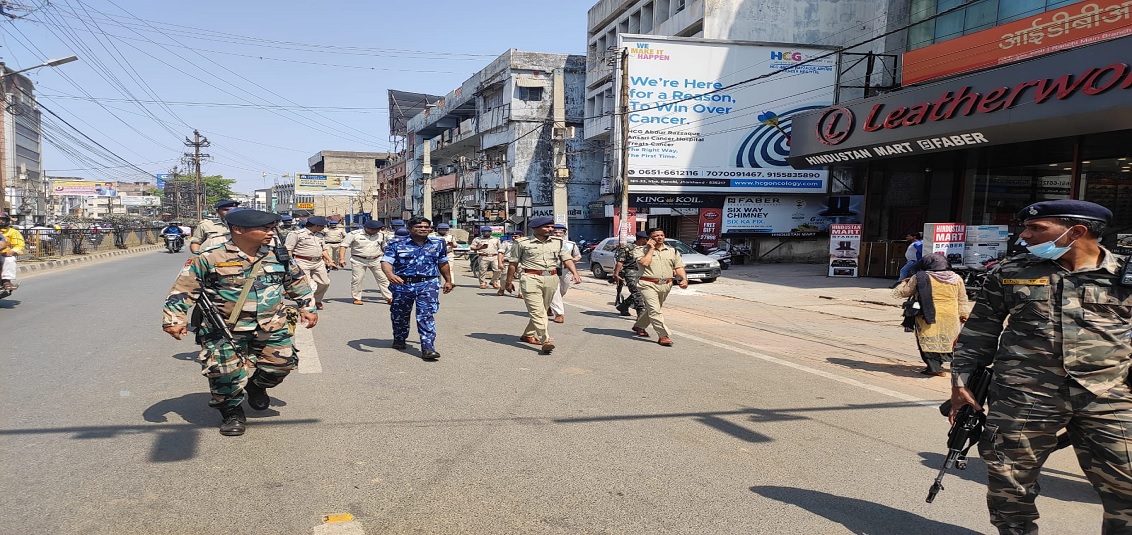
(1066, 208)
(398, 223)
(226, 203)
(642, 235)
(401, 232)
(540, 221)
(286, 217)
(485, 229)
(374, 224)
(332, 222)
(248, 218)
(443, 226)
(316, 220)
(559, 226)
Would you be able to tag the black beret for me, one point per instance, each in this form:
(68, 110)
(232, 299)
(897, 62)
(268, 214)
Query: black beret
(373, 224)
(315, 220)
(248, 218)
(226, 203)
(1066, 208)
(540, 221)
(642, 235)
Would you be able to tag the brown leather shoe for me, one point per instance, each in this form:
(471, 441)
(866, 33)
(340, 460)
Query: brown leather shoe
(640, 332)
(500, 292)
(665, 341)
(318, 305)
(389, 300)
(547, 347)
(483, 286)
(495, 285)
(560, 319)
(358, 302)
(530, 340)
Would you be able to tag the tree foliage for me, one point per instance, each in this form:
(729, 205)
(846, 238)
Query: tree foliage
(216, 188)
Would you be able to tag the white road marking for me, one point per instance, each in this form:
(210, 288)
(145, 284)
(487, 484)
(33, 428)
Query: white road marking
(800, 367)
(340, 528)
(308, 352)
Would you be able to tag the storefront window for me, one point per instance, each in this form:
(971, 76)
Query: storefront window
(1109, 183)
(1000, 193)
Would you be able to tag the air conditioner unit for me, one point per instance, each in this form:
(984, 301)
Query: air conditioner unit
(560, 133)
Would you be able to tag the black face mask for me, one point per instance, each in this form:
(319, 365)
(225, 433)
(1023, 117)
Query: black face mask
(5, 223)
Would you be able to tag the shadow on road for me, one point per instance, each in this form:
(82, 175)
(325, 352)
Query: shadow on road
(362, 343)
(9, 303)
(508, 340)
(602, 314)
(1056, 484)
(859, 516)
(895, 368)
(188, 355)
(618, 333)
(522, 313)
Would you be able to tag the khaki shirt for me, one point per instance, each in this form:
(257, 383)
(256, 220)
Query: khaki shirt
(303, 242)
(665, 262)
(492, 246)
(362, 244)
(208, 229)
(531, 253)
(334, 235)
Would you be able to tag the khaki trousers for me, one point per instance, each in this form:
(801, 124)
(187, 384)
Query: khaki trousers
(557, 306)
(538, 290)
(654, 295)
(358, 268)
(317, 276)
(490, 263)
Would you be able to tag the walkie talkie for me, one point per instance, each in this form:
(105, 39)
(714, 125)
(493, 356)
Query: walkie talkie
(1126, 273)
(282, 254)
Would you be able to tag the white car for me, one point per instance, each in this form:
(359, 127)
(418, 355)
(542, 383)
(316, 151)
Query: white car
(697, 266)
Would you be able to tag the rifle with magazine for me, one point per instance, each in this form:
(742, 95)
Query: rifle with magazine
(207, 313)
(966, 430)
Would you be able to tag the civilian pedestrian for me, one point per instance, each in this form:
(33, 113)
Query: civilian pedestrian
(943, 309)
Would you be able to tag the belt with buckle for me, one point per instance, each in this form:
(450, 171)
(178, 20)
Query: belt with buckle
(656, 281)
(366, 257)
(541, 272)
(307, 258)
(416, 279)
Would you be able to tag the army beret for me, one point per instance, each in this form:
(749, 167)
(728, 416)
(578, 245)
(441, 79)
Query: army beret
(248, 218)
(226, 203)
(401, 232)
(374, 224)
(559, 226)
(485, 229)
(642, 235)
(1066, 208)
(443, 226)
(316, 221)
(540, 221)
(397, 223)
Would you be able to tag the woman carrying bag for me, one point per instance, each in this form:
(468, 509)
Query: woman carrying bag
(943, 309)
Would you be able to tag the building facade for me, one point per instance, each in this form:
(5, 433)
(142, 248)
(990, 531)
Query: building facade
(499, 148)
(975, 135)
(362, 203)
(23, 190)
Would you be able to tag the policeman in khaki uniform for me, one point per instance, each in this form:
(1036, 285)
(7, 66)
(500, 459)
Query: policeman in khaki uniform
(538, 258)
(1054, 325)
(487, 247)
(309, 251)
(366, 246)
(333, 236)
(242, 273)
(211, 232)
(659, 264)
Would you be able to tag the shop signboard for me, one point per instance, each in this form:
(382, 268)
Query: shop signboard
(711, 224)
(327, 184)
(844, 249)
(674, 200)
(985, 243)
(304, 205)
(788, 215)
(950, 239)
(1060, 29)
(695, 128)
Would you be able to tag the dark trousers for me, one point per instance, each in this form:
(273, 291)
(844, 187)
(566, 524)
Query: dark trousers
(634, 300)
(426, 296)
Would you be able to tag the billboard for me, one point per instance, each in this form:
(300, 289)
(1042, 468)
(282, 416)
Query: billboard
(689, 131)
(86, 188)
(1071, 26)
(140, 200)
(796, 216)
(328, 184)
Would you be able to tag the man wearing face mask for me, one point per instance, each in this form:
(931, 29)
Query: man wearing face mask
(1054, 323)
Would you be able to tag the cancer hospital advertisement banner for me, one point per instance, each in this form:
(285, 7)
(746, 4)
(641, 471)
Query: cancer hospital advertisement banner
(89, 188)
(690, 131)
(795, 216)
(327, 184)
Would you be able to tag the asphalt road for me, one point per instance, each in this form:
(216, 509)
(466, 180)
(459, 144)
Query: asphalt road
(762, 419)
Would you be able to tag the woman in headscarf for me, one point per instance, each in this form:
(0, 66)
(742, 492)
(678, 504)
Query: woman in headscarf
(943, 309)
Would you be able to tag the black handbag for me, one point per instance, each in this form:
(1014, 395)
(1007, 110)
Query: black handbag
(911, 309)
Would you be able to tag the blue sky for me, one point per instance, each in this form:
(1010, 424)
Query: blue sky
(270, 83)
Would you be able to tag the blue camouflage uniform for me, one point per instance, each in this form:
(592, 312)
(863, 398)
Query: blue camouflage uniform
(419, 267)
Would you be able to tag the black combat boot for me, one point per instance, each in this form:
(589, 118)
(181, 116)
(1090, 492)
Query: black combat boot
(257, 396)
(234, 422)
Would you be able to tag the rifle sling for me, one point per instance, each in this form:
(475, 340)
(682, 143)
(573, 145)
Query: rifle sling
(256, 268)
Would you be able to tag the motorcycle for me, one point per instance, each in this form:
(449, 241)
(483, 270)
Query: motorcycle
(974, 277)
(3, 292)
(174, 242)
(722, 256)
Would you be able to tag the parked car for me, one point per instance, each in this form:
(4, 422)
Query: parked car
(697, 266)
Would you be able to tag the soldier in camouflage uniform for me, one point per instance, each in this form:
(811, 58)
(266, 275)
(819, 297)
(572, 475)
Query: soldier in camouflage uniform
(262, 328)
(1054, 324)
(211, 232)
(628, 273)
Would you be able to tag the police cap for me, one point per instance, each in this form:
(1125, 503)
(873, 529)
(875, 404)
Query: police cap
(516, 232)
(1066, 208)
(444, 226)
(401, 232)
(286, 217)
(373, 224)
(332, 222)
(485, 229)
(397, 223)
(540, 221)
(642, 235)
(317, 221)
(226, 203)
(248, 218)
(559, 226)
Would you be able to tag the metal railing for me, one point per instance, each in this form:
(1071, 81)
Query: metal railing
(45, 243)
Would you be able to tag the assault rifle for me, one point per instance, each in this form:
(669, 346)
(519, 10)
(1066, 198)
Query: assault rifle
(967, 429)
(207, 313)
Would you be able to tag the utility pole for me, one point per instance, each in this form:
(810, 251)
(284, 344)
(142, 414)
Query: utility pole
(198, 189)
(426, 180)
(561, 171)
(623, 230)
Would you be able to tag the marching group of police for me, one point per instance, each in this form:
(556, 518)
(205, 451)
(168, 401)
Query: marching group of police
(1054, 324)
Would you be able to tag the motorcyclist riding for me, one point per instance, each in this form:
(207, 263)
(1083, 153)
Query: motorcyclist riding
(175, 228)
(13, 246)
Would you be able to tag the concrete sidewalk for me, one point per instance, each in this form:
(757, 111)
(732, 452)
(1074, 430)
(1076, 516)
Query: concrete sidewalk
(33, 265)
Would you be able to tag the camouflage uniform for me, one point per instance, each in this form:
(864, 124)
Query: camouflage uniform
(538, 289)
(1061, 361)
(210, 233)
(631, 272)
(263, 336)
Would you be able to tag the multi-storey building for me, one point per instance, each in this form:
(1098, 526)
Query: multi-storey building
(363, 164)
(493, 152)
(22, 187)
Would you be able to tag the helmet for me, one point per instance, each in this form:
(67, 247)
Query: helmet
(4, 215)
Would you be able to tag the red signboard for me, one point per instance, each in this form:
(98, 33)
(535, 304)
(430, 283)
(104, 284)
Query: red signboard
(1075, 25)
(711, 222)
